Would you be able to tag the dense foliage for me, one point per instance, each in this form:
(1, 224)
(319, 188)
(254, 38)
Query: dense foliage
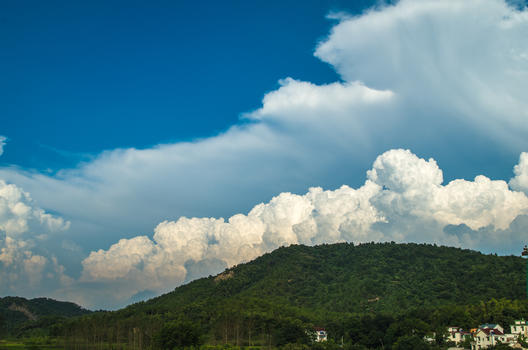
(367, 296)
(20, 316)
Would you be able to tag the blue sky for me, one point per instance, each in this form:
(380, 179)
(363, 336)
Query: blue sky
(92, 76)
(136, 136)
(95, 76)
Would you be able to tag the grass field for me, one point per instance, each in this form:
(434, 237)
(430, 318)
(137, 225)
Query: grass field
(14, 344)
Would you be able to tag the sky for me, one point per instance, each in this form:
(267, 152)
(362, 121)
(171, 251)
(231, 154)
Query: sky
(144, 145)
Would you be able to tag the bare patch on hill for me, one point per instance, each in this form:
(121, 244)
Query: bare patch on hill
(24, 310)
(224, 276)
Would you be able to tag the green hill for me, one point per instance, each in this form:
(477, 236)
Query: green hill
(20, 315)
(352, 290)
(346, 278)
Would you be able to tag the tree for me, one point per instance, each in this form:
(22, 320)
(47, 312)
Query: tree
(410, 343)
(177, 335)
(291, 332)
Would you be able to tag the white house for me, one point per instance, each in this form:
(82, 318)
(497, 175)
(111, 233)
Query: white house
(486, 337)
(320, 334)
(520, 328)
(457, 335)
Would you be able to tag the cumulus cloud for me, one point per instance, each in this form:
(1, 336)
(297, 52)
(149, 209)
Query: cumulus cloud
(414, 188)
(520, 181)
(23, 226)
(3, 140)
(403, 199)
(19, 214)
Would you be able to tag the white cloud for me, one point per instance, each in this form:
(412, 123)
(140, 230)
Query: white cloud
(19, 214)
(403, 199)
(443, 78)
(413, 187)
(520, 181)
(460, 60)
(274, 151)
(300, 100)
(3, 140)
(24, 226)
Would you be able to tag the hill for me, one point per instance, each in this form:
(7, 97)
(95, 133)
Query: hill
(20, 315)
(346, 278)
(342, 287)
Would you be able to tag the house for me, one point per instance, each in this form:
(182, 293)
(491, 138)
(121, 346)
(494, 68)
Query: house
(492, 326)
(457, 335)
(320, 334)
(486, 337)
(520, 328)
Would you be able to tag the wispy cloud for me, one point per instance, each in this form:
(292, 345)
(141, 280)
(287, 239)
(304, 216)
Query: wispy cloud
(79, 156)
(3, 141)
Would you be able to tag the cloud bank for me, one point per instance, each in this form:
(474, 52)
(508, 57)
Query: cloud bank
(403, 199)
(443, 78)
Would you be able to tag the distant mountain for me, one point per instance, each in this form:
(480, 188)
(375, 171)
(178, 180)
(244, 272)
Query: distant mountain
(19, 314)
(331, 286)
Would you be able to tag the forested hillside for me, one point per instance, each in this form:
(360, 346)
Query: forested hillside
(369, 295)
(20, 315)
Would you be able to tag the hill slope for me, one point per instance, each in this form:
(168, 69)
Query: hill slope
(368, 277)
(18, 313)
(335, 286)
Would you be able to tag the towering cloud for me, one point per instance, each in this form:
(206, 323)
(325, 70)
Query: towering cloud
(460, 60)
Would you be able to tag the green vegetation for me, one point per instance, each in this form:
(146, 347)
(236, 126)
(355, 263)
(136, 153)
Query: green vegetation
(369, 296)
(31, 344)
(23, 318)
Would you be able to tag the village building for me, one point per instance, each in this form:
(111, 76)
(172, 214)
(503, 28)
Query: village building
(457, 335)
(484, 338)
(489, 335)
(520, 327)
(320, 334)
